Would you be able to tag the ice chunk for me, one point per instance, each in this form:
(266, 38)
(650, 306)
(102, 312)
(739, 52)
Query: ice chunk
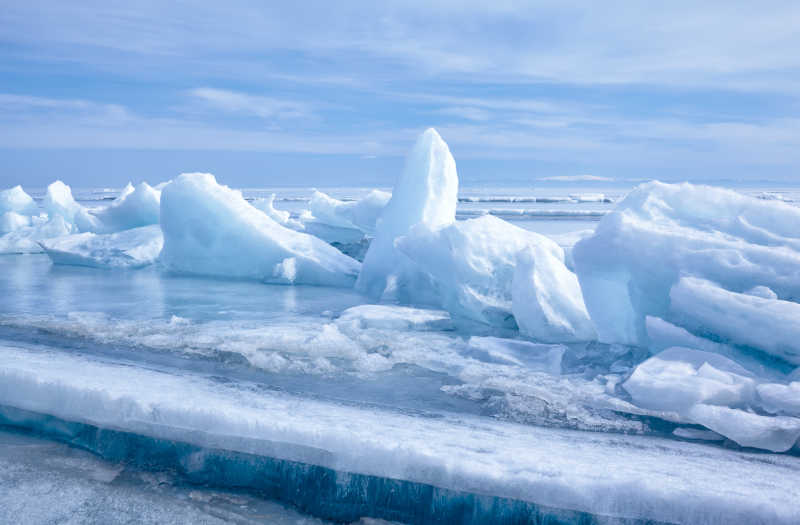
(25, 240)
(547, 300)
(12, 221)
(778, 398)
(209, 229)
(776, 433)
(395, 318)
(660, 232)
(770, 325)
(472, 265)
(362, 214)
(678, 378)
(58, 201)
(131, 248)
(280, 216)
(425, 194)
(697, 434)
(134, 208)
(16, 200)
(541, 357)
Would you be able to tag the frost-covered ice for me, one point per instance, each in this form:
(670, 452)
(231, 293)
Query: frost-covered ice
(426, 194)
(635, 477)
(661, 232)
(283, 217)
(209, 229)
(131, 248)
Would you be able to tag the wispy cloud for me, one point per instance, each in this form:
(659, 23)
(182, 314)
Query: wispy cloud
(254, 105)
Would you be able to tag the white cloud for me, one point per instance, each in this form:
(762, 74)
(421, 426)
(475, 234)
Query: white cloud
(259, 106)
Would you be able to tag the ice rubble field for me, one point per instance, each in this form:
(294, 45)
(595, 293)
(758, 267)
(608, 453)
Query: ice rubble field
(643, 370)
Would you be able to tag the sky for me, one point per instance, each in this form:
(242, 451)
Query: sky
(335, 93)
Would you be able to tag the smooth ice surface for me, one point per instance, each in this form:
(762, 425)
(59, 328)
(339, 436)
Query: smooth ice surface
(132, 248)
(209, 229)
(135, 207)
(472, 265)
(770, 325)
(426, 194)
(608, 475)
(16, 200)
(546, 298)
(661, 232)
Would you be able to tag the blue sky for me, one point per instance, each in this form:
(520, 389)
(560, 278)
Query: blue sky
(330, 93)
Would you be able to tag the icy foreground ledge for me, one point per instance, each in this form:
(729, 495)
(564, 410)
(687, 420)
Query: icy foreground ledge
(210, 229)
(606, 475)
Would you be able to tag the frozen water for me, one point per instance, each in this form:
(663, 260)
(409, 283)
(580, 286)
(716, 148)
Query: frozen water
(267, 205)
(547, 300)
(135, 207)
(635, 478)
(361, 214)
(209, 229)
(26, 239)
(770, 325)
(426, 194)
(131, 248)
(471, 264)
(660, 232)
(16, 200)
(42, 482)
(58, 201)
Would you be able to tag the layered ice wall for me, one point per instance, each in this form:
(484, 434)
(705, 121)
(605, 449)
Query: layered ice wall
(661, 232)
(209, 229)
(425, 194)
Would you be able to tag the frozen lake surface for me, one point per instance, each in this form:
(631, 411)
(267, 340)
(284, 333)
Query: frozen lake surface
(174, 390)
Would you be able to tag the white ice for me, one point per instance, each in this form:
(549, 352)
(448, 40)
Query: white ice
(135, 207)
(16, 200)
(661, 232)
(546, 298)
(425, 194)
(210, 229)
(472, 265)
(361, 214)
(631, 477)
(131, 248)
(770, 325)
(58, 201)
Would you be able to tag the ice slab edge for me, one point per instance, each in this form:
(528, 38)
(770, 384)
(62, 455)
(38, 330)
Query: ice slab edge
(316, 490)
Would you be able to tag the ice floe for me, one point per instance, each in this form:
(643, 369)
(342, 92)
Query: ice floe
(209, 229)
